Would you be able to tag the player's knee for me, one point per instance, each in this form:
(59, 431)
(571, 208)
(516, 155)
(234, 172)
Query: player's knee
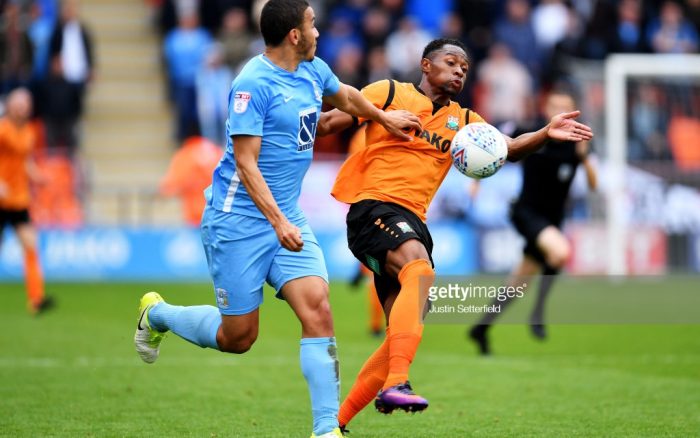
(558, 256)
(237, 343)
(317, 317)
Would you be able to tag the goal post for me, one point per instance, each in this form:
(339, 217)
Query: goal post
(619, 69)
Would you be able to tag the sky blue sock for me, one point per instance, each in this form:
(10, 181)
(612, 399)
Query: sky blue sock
(319, 364)
(197, 324)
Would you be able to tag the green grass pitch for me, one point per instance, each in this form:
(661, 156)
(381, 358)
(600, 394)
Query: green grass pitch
(74, 373)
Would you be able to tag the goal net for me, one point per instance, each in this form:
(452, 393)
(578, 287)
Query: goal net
(652, 162)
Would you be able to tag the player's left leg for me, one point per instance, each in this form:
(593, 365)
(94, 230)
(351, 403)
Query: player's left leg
(372, 375)
(556, 251)
(34, 278)
(302, 280)
(521, 274)
(410, 264)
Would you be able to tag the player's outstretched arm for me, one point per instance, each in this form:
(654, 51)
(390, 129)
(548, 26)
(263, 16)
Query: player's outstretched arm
(349, 100)
(562, 127)
(246, 149)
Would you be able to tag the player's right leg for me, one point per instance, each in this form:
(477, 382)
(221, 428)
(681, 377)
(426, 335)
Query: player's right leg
(239, 252)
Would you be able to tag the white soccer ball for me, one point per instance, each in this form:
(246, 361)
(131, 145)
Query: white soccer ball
(478, 150)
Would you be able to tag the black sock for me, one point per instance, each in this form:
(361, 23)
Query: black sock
(548, 276)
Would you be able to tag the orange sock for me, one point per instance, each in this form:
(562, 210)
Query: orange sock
(376, 313)
(33, 277)
(369, 381)
(405, 320)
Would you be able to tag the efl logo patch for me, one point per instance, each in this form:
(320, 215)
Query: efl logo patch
(240, 101)
(404, 227)
(308, 120)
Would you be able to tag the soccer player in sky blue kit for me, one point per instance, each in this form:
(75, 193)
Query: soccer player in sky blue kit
(252, 227)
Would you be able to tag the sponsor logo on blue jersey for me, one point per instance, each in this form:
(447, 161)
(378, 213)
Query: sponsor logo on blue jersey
(308, 120)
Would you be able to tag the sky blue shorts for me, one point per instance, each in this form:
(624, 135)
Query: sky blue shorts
(243, 253)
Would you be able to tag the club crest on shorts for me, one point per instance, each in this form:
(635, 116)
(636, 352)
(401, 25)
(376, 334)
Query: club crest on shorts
(222, 297)
(404, 227)
(452, 123)
(240, 101)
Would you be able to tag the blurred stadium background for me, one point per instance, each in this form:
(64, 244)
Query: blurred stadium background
(158, 89)
(160, 79)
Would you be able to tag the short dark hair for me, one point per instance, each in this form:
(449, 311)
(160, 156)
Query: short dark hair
(278, 17)
(439, 43)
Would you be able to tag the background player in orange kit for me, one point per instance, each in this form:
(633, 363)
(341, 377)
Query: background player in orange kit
(17, 170)
(390, 184)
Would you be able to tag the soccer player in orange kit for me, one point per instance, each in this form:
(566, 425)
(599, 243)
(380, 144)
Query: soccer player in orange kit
(17, 170)
(389, 186)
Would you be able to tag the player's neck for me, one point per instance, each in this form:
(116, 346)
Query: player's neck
(283, 58)
(434, 94)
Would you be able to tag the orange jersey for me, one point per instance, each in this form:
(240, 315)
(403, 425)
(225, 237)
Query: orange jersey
(407, 173)
(16, 145)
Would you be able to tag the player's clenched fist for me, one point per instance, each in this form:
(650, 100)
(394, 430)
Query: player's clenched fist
(289, 236)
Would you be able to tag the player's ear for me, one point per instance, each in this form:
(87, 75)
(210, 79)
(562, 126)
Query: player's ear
(425, 65)
(294, 36)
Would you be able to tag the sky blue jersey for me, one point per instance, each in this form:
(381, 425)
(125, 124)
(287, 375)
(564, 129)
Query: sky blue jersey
(283, 108)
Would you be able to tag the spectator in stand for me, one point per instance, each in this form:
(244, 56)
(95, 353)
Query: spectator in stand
(40, 30)
(377, 65)
(549, 21)
(235, 38)
(567, 48)
(16, 51)
(213, 84)
(670, 32)
(348, 66)
(648, 122)
(515, 30)
(628, 36)
(340, 33)
(404, 48)
(376, 26)
(72, 64)
(185, 49)
(452, 26)
(507, 87)
(429, 14)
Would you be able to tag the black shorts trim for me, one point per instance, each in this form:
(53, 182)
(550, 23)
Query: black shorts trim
(529, 224)
(13, 217)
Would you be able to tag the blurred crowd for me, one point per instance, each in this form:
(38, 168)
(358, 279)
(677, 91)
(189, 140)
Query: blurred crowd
(47, 49)
(519, 47)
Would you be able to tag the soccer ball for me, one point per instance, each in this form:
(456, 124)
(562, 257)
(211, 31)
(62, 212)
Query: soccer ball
(478, 150)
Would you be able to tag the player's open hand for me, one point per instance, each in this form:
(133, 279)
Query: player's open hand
(563, 127)
(289, 236)
(401, 123)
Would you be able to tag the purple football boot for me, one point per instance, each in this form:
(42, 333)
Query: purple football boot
(399, 396)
